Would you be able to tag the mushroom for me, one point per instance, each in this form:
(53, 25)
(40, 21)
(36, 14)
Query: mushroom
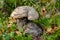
(23, 15)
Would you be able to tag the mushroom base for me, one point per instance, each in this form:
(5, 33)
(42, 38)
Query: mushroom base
(29, 27)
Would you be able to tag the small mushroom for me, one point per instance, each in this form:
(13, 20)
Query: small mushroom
(22, 15)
